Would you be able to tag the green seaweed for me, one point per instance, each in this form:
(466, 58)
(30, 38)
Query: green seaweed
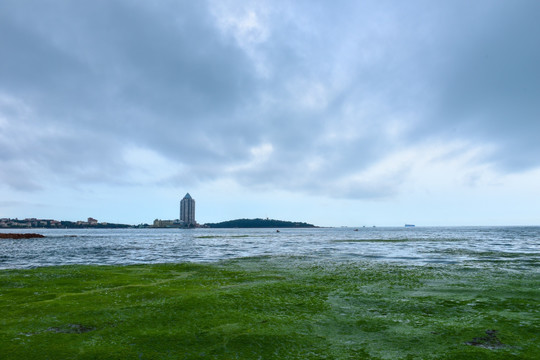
(220, 236)
(270, 308)
(397, 240)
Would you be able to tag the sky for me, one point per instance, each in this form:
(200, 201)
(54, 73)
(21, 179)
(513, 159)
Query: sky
(341, 113)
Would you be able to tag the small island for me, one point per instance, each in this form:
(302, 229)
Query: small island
(258, 223)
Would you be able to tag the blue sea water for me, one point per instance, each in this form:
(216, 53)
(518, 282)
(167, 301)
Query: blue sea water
(511, 247)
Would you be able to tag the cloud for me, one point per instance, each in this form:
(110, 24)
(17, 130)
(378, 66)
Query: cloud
(307, 97)
(491, 90)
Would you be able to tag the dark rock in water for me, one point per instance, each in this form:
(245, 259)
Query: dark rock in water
(20, 236)
(71, 329)
(491, 341)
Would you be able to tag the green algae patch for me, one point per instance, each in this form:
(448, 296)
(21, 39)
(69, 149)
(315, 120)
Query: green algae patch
(220, 236)
(399, 240)
(270, 308)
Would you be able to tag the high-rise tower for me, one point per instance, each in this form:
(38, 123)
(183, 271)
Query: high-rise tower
(187, 210)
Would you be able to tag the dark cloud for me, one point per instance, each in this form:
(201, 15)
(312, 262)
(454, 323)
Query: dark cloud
(492, 90)
(306, 97)
(106, 74)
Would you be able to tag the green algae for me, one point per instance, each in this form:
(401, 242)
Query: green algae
(270, 308)
(397, 240)
(220, 236)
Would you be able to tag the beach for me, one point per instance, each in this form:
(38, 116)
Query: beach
(481, 305)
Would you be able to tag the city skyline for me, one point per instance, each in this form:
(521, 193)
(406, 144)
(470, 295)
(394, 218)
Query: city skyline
(333, 113)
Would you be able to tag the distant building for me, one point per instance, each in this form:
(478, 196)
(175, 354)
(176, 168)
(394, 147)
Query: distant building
(92, 221)
(187, 211)
(158, 223)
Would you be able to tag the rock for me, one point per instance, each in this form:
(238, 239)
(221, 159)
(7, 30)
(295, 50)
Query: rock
(20, 236)
(71, 329)
(490, 341)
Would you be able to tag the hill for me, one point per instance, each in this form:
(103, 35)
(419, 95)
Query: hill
(259, 223)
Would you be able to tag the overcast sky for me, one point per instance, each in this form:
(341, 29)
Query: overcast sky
(334, 113)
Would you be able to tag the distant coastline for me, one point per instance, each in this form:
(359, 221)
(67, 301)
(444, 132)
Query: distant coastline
(258, 223)
(33, 223)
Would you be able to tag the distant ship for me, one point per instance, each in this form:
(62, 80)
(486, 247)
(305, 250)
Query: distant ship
(409, 225)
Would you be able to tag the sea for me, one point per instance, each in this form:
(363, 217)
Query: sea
(508, 247)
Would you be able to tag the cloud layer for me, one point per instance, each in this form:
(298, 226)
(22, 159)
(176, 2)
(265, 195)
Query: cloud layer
(348, 99)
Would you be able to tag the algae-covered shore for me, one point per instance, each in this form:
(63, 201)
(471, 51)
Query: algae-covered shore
(270, 308)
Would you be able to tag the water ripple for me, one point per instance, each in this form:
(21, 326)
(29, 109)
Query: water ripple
(503, 246)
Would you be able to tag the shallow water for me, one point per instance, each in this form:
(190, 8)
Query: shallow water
(511, 247)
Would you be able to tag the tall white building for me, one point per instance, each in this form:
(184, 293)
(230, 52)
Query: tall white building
(187, 210)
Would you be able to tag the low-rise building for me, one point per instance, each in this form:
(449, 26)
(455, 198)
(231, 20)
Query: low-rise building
(158, 223)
